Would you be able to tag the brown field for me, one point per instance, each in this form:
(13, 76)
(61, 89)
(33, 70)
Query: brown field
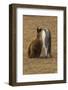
(39, 65)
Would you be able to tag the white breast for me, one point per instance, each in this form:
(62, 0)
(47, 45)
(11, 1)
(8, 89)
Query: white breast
(43, 37)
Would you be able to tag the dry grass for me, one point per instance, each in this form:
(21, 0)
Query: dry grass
(39, 65)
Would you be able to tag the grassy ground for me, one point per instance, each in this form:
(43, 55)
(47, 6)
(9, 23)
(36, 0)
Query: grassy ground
(39, 65)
